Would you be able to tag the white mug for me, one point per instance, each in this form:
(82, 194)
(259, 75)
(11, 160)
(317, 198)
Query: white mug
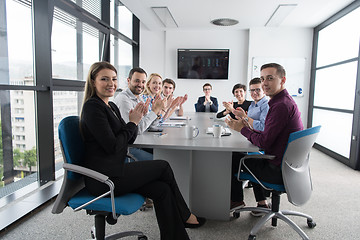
(217, 130)
(191, 132)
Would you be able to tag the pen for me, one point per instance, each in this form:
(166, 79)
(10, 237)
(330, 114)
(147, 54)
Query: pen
(160, 134)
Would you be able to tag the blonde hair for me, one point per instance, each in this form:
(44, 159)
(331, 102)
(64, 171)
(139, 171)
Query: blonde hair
(147, 88)
(93, 71)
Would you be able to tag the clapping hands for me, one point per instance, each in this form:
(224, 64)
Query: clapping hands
(136, 114)
(235, 124)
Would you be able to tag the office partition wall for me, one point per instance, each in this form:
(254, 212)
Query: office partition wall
(335, 87)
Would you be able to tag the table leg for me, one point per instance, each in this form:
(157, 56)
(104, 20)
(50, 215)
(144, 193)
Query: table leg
(204, 178)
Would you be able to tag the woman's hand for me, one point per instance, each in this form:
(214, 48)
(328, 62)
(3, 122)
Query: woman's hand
(136, 114)
(158, 104)
(239, 112)
(228, 107)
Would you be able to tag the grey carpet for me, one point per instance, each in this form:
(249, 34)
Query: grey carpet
(333, 205)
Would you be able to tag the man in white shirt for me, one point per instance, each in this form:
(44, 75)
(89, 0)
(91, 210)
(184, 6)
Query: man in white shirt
(129, 98)
(167, 92)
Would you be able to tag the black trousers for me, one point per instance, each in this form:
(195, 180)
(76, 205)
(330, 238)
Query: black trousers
(263, 170)
(154, 179)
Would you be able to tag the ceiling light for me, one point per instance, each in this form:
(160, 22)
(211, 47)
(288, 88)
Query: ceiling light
(224, 22)
(165, 16)
(280, 13)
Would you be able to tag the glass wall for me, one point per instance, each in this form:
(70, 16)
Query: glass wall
(334, 84)
(26, 79)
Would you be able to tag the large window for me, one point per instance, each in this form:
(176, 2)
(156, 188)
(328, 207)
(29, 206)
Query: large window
(74, 45)
(46, 49)
(18, 149)
(334, 83)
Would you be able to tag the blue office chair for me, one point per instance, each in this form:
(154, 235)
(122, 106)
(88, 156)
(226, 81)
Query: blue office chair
(297, 182)
(74, 194)
(196, 107)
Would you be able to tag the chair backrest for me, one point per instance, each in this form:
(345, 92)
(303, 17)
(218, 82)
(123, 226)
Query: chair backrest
(195, 107)
(295, 165)
(73, 151)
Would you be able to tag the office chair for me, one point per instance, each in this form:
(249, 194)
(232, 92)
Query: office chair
(74, 194)
(297, 182)
(196, 107)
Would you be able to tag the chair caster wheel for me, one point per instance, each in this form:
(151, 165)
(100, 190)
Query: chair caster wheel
(142, 237)
(252, 237)
(311, 224)
(236, 214)
(93, 235)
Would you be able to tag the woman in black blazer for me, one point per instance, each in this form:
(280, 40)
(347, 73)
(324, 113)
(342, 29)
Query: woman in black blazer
(207, 103)
(239, 92)
(106, 138)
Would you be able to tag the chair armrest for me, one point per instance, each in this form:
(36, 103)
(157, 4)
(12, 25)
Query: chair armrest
(255, 157)
(86, 171)
(97, 176)
(131, 157)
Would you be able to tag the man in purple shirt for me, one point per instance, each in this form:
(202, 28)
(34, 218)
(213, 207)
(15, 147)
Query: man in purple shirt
(282, 119)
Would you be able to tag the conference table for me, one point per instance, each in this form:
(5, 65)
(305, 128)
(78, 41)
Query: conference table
(202, 165)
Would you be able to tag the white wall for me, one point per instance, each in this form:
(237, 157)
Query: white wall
(158, 54)
(236, 41)
(284, 43)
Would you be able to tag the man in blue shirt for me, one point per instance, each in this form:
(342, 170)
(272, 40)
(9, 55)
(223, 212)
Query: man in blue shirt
(282, 119)
(258, 109)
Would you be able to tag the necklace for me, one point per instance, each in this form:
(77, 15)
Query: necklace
(113, 112)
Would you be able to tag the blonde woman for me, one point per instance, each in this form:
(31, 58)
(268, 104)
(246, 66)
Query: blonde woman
(153, 88)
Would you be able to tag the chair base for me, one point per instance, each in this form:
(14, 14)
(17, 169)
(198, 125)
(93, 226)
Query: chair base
(98, 231)
(269, 214)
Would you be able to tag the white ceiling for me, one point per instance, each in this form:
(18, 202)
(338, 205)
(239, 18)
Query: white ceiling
(197, 14)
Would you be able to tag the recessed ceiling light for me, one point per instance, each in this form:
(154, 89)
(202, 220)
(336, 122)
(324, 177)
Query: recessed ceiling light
(224, 22)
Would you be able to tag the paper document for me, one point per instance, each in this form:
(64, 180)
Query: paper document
(209, 130)
(172, 124)
(179, 118)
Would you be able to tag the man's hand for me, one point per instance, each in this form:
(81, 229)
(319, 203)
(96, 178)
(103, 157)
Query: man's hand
(136, 114)
(235, 124)
(184, 99)
(146, 106)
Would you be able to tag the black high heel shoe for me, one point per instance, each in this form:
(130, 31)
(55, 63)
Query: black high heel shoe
(201, 221)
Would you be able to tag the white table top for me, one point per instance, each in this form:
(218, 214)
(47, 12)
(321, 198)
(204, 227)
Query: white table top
(175, 137)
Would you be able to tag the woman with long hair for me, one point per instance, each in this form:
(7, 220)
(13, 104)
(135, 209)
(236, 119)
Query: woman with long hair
(106, 138)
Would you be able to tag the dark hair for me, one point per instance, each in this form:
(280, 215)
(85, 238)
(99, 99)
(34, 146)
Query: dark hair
(136, 69)
(254, 81)
(169, 81)
(207, 84)
(93, 71)
(280, 71)
(238, 86)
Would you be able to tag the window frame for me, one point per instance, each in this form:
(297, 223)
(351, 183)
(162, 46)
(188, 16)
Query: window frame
(353, 161)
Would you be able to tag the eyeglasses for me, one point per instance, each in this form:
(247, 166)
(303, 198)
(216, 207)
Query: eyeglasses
(255, 90)
(207, 89)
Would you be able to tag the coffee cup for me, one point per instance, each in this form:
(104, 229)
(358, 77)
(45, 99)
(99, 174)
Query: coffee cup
(217, 130)
(191, 132)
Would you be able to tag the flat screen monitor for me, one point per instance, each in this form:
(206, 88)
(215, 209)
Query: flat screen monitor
(203, 64)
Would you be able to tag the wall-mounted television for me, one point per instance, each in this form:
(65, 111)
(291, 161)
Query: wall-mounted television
(203, 63)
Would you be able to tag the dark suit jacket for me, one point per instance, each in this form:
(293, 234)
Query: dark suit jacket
(200, 104)
(106, 137)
